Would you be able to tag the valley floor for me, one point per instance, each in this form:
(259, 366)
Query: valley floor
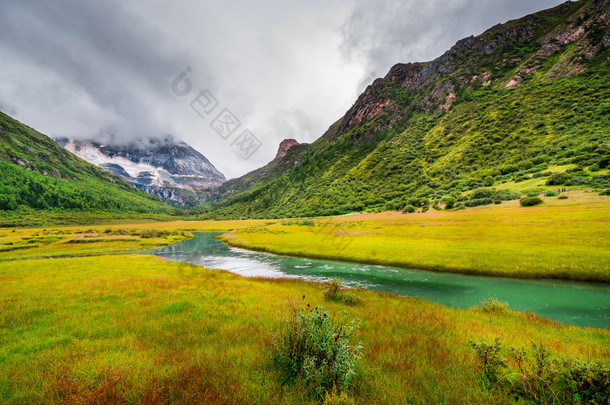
(83, 322)
(564, 239)
(137, 329)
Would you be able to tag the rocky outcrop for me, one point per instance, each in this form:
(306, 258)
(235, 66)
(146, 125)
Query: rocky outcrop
(285, 145)
(435, 85)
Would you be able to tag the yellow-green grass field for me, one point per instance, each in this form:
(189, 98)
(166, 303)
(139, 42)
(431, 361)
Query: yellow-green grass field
(138, 329)
(565, 239)
(83, 322)
(17, 244)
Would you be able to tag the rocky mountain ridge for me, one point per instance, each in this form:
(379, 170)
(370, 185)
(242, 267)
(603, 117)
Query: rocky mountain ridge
(37, 173)
(521, 96)
(166, 168)
(471, 61)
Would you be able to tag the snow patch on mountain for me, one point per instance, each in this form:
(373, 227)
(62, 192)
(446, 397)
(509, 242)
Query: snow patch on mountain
(173, 171)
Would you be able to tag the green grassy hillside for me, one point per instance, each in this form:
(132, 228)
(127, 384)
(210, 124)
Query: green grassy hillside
(37, 174)
(524, 100)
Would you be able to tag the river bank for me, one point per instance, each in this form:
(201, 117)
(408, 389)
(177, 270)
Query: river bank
(136, 328)
(562, 239)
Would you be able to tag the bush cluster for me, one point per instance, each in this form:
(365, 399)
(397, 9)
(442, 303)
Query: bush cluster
(449, 202)
(483, 196)
(493, 305)
(530, 201)
(408, 209)
(334, 292)
(557, 179)
(478, 201)
(153, 233)
(317, 349)
(300, 222)
(534, 376)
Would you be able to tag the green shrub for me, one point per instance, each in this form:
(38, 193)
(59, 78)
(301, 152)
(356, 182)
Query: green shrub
(478, 201)
(317, 349)
(489, 356)
(541, 358)
(541, 379)
(493, 305)
(301, 222)
(417, 202)
(390, 206)
(332, 289)
(605, 192)
(449, 202)
(481, 193)
(408, 209)
(506, 195)
(551, 193)
(335, 292)
(306, 222)
(350, 297)
(148, 234)
(585, 382)
(576, 169)
(530, 201)
(563, 197)
(558, 178)
(520, 178)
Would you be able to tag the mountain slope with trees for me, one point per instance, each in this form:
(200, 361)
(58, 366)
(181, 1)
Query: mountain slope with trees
(520, 101)
(36, 173)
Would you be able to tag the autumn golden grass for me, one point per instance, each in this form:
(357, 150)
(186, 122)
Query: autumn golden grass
(138, 329)
(559, 239)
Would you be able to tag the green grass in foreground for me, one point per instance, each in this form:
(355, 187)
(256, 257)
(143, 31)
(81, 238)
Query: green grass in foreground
(137, 329)
(559, 239)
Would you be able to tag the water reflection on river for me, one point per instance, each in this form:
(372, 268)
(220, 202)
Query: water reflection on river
(569, 302)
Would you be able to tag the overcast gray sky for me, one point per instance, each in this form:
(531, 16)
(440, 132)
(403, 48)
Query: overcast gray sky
(284, 69)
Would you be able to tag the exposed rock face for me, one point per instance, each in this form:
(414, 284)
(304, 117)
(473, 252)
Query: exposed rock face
(163, 167)
(284, 146)
(588, 32)
(377, 138)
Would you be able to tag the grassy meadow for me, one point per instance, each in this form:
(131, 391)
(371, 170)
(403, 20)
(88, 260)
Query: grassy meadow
(71, 241)
(83, 320)
(138, 329)
(565, 239)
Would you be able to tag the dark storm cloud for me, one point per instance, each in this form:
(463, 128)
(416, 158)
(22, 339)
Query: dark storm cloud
(96, 52)
(95, 69)
(382, 33)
